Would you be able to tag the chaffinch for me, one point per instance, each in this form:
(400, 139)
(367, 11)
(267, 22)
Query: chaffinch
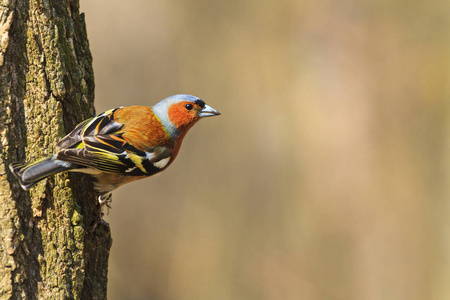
(121, 145)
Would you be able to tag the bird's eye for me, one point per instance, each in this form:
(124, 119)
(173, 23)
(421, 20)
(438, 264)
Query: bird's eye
(189, 106)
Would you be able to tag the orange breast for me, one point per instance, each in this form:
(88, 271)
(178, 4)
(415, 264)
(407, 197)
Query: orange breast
(142, 128)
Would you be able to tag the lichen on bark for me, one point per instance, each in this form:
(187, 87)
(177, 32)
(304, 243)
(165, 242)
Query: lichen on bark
(47, 87)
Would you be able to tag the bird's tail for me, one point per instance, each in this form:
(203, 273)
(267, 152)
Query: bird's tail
(31, 173)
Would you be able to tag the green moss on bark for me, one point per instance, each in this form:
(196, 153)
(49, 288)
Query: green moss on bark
(47, 251)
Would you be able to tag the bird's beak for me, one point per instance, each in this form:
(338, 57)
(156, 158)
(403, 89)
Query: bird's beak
(208, 111)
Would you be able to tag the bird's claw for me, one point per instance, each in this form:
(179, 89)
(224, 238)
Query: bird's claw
(102, 200)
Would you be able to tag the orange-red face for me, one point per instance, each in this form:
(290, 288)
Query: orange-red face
(185, 114)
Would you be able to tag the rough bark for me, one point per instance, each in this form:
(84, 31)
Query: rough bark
(47, 87)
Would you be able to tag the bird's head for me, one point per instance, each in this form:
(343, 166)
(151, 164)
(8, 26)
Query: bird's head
(178, 113)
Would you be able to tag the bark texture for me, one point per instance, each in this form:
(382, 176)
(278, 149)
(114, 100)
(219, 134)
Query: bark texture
(47, 87)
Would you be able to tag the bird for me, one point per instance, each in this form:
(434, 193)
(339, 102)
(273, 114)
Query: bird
(120, 145)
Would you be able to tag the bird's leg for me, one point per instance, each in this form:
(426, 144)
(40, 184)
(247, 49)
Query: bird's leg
(102, 200)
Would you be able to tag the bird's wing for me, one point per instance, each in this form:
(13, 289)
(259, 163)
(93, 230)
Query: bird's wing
(101, 124)
(96, 143)
(74, 137)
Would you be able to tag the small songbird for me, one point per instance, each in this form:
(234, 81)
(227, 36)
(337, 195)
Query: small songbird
(121, 145)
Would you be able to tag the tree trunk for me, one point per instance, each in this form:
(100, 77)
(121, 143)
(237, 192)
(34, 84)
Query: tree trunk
(47, 87)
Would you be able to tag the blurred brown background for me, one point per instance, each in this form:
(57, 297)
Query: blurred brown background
(327, 175)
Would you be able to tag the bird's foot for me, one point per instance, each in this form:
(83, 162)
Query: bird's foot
(97, 221)
(102, 200)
